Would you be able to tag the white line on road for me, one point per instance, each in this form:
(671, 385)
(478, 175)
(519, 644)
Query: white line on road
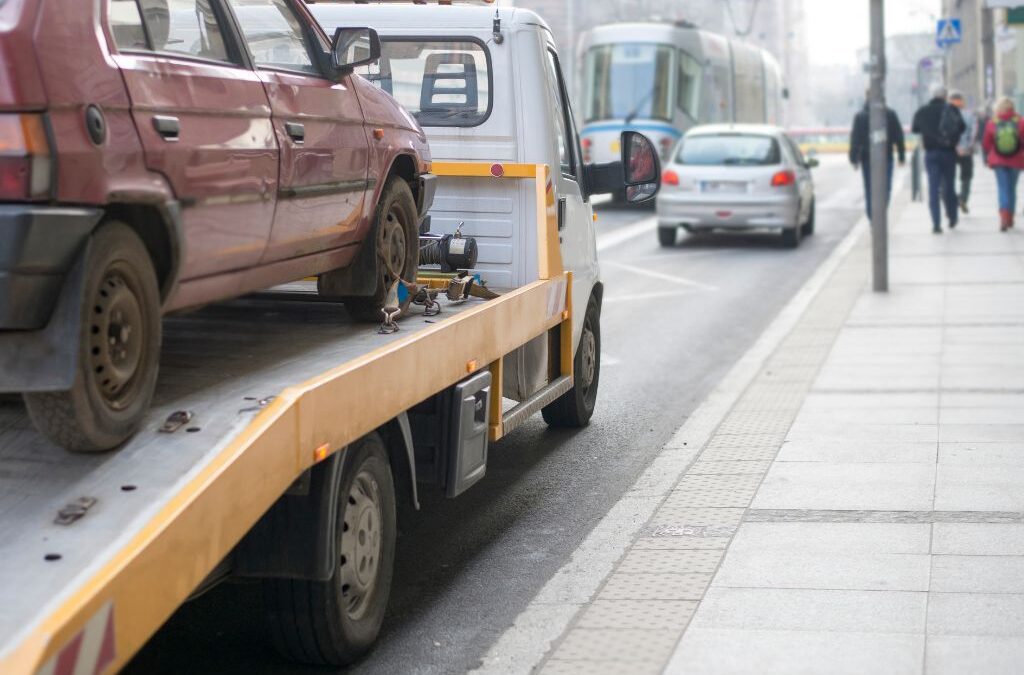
(661, 276)
(523, 646)
(641, 297)
(624, 234)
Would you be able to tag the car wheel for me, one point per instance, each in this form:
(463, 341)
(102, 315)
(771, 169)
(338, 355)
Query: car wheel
(397, 241)
(335, 622)
(667, 236)
(118, 351)
(808, 227)
(575, 407)
(791, 236)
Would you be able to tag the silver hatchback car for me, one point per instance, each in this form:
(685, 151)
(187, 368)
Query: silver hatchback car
(737, 177)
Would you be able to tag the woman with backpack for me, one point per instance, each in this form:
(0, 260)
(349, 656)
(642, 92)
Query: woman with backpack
(1005, 155)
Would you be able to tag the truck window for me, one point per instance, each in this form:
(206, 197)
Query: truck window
(186, 27)
(275, 35)
(563, 126)
(443, 83)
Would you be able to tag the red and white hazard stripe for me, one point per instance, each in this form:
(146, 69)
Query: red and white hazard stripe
(90, 652)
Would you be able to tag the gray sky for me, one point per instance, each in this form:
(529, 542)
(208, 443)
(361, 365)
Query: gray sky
(838, 28)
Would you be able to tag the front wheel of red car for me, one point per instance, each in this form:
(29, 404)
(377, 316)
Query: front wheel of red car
(118, 350)
(396, 231)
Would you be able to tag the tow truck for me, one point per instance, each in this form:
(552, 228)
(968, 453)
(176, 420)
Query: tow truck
(282, 432)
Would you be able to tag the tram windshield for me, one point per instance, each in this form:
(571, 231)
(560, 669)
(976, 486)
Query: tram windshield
(628, 80)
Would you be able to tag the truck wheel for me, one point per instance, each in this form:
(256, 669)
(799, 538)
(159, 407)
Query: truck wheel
(575, 407)
(397, 233)
(335, 622)
(118, 353)
(667, 236)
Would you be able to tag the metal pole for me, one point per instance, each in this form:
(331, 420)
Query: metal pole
(879, 153)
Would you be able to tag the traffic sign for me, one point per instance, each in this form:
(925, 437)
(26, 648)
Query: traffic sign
(947, 33)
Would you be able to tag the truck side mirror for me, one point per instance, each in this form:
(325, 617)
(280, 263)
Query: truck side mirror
(642, 168)
(638, 173)
(354, 47)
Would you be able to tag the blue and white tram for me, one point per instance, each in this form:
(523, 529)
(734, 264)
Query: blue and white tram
(660, 79)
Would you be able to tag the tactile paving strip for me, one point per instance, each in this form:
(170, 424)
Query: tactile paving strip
(679, 550)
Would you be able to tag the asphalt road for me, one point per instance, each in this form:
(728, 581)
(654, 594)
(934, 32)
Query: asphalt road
(674, 322)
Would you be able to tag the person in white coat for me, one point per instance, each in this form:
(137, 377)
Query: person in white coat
(965, 149)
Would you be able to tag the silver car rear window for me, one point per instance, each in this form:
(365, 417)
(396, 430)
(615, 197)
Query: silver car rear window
(729, 150)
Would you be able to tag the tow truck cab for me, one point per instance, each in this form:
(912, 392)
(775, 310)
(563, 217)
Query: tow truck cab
(486, 85)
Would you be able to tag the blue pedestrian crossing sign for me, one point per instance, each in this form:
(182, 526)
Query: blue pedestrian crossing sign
(947, 33)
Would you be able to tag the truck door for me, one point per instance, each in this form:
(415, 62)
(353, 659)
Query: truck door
(579, 253)
(319, 125)
(204, 123)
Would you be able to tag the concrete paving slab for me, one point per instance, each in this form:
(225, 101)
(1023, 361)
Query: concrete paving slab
(617, 645)
(701, 561)
(803, 569)
(980, 454)
(981, 433)
(975, 614)
(969, 654)
(819, 428)
(979, 488)
(638, 614)
(876, 452)
(870, 376)
(818, 485)
(977, 574)
(622, 586)
(978, 539)
(838, 538)
(812, 610)
(767, 652)
(759, 467)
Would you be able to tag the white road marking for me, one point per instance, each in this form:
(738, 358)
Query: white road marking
(641, 297)
(661, 276)
(523, 646)
(624, 234)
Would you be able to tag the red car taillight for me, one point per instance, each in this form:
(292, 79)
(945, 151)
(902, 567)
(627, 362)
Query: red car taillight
(24, 158)
(670, 177)
(783, 178)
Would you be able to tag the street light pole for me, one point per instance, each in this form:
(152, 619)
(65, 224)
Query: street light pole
(878, 124)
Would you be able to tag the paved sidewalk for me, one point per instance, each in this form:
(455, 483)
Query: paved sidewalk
(861, 507)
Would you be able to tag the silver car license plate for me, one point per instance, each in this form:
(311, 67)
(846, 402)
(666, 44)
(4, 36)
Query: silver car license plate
(723, 186)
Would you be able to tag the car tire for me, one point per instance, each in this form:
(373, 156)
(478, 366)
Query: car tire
(118, 350)
(397, 231)
(791, 236)
(574, 408)
(667, 236)
(336, 622)
(808, 227)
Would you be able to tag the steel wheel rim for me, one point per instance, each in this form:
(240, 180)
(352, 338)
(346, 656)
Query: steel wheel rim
(117, 337)
(392, 247)
(362, 542)
(588, 357)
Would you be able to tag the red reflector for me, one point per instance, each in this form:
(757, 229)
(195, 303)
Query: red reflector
(723, 214)
(670, 177)
(586, 143)
(783, 178)
(497, 170)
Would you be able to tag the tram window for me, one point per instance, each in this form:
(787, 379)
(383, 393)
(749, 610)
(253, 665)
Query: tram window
(688, 88)
(628, 79)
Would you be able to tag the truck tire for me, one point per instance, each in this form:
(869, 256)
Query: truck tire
(575, 407)
(397, 231)
(118, 353)
(335, 622)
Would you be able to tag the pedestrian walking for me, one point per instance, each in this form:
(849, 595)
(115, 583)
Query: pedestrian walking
(940, 126)
(1005, 155)
(860, 149)
(965, 149)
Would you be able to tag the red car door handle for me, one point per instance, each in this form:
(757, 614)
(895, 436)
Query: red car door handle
(167, 126)
(296, 131)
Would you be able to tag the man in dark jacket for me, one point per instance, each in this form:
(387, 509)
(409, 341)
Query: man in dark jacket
(940, 126)
(860, 149)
